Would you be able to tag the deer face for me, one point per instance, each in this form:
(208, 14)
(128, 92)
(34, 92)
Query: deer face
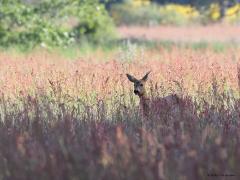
(139, 85)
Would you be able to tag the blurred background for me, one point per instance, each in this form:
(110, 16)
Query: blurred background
(27, 24)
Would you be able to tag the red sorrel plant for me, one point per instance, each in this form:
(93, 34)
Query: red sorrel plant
(79, 119)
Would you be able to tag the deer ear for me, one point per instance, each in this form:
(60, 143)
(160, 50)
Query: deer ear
(131, 78)
(146, 76)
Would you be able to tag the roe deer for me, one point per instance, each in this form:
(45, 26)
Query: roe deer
(168, 105)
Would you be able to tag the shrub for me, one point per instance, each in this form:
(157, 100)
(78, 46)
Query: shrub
(94, 22)
(233, 14)
(173, 14)
(178, 14)
(29, 25)
(128, 14)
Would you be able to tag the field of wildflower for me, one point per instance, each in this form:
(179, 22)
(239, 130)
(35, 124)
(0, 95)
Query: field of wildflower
(77, 118)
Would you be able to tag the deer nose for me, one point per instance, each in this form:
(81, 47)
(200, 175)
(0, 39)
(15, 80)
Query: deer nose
(135, 92)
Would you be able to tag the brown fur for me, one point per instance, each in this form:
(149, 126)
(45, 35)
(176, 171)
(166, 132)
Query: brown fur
(168, 103)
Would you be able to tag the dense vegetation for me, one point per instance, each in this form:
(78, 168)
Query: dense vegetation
(53, 23)
(80, 119)
(58, 23)
(173, 14)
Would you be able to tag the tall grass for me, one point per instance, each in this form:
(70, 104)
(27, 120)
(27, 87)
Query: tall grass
(79, 119)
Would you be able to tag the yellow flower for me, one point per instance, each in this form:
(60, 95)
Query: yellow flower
(233, 10)
(233, 13)
(186, 11)
(214, 12)
(138, 3)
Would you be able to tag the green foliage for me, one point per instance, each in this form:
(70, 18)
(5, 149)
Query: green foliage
(127, 14)
(173, 14)
(29, 25)
(94, 22)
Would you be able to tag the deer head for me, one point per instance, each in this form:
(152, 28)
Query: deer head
(139, 85)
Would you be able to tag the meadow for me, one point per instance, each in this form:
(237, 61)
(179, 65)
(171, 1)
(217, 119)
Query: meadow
(68, 110)
(65, 117)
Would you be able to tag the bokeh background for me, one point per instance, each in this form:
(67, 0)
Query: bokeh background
(26, 24)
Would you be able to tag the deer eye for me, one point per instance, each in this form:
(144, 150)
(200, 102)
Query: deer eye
(141, 84)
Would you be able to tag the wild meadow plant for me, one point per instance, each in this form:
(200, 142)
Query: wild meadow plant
(80, 119)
